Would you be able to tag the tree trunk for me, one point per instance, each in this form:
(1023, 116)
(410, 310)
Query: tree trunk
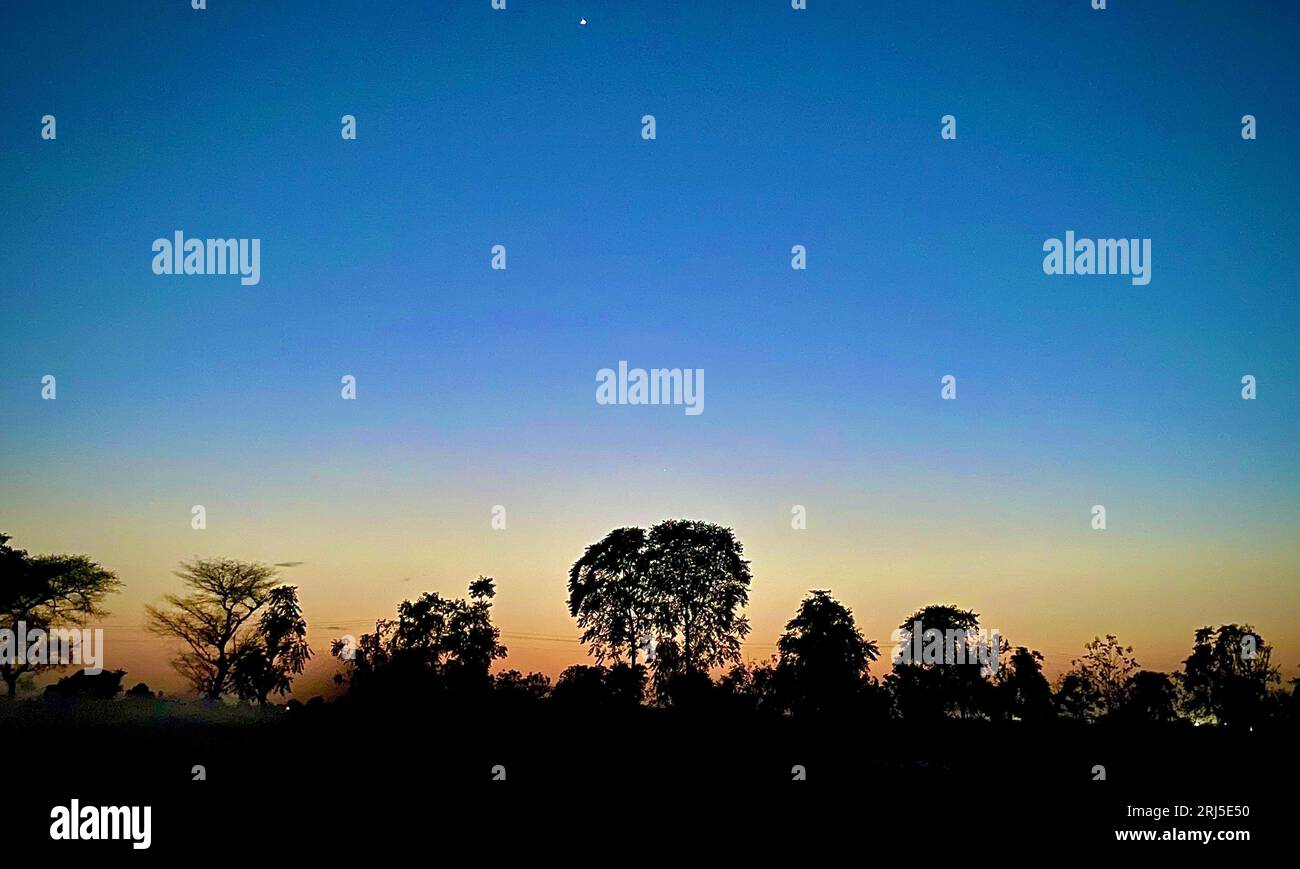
(633, 641)
(214, 689)
(686, 641)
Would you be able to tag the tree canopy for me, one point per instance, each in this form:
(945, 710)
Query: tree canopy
(47, 591)
(1227, 675)
(435, 645)
(610, 594)
(212, 621)
(276, 651)
(823, 656)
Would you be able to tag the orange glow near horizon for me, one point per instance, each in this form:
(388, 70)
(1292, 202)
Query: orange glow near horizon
(1051, 595)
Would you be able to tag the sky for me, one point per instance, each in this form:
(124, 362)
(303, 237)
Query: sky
(476, 387)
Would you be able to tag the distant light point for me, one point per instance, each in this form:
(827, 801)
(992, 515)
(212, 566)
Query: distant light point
(582, 21)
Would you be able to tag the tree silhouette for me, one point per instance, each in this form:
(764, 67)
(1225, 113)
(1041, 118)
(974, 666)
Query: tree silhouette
(583, 686)
(1227, 675)
(757, 687)
(627, 684)
(140, 691)
(82, 686)
(948, 680)
(1150, 697)
(46, 592)
(275, 652)
(514, 686)
(823, 655)
(1098, 681)
(610, 596)
(1074, 697)
(699, 580)
(435, 644)
(225, 594)
(1023, 689)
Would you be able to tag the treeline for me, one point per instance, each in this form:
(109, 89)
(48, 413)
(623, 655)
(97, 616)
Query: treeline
(661, 613)
(438, 650)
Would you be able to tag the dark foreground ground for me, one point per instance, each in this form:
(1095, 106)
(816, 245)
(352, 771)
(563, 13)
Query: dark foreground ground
(540, 782)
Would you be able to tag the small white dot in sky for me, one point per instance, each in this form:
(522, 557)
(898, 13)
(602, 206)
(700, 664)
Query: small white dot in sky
(582, 21)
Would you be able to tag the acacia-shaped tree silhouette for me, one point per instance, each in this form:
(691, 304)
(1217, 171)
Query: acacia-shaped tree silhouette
(212, 620)
(47, 592)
